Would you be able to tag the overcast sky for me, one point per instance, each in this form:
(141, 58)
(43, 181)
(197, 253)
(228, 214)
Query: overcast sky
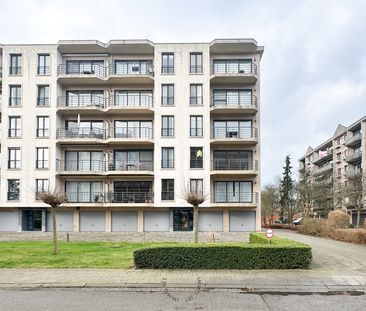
(313, 68)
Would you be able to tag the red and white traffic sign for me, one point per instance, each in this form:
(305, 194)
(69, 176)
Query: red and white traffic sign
(269, 233)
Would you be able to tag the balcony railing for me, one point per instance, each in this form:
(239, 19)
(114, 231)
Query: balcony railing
(234, 133)
(195, 69)
(167, 69)
(15, 101)
(234, 165)
(43, 70)
(132, 132)
(234, 197)
(130, 166)
(109, 197)
(234, 101)
(323, 169)
(43, 101)
(318, 158)
(354, 156)
(196, 100)
(234, 68)
(353, 139)
(15, 70)
(167, 163)
(130, 100)
(100, 166)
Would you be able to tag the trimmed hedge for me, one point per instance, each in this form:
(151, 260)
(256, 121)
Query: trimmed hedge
(280, 254)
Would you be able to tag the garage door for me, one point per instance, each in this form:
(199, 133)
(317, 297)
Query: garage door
(156, 221)
(242, 221)
(92, 221)
(64, 221)
(124, 221)
(210, 221)
(9, 221)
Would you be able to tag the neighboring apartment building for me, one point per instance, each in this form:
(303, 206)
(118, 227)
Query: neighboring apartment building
(123, 128)
(335, 161)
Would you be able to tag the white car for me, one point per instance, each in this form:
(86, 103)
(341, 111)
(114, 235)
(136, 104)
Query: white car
(298, 221)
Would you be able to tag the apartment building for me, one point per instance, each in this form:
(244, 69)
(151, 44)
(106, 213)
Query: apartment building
(335, 162)
(124, 128)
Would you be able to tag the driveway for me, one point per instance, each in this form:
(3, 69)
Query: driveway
(329, 254)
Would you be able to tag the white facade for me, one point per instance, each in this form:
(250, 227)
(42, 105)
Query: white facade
(95, 92)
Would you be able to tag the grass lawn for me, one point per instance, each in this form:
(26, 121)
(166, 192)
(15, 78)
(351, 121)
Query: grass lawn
(103, 255)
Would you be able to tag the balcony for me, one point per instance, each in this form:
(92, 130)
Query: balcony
(81, 135)
(240, 136)
(233, 71)
(128, 135)
(238, 198)
(353, 172)
(354, 157)
(234, 104)
(240, 167)
(327, 168)
(320, 158)
(354, 140)
(131, 103)
(125, 72)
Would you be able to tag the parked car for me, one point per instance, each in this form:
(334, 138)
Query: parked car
(298, 221)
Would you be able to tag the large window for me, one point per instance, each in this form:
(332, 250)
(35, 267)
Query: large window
(93, 129)
(233, 129)
(167, 157)
(167, 126)
(232, 160)
(196, 159)
(43, 64)
(84, 161)
(15, 64)
(232, 66)
(232, 98)
(196, 186)
(133, 98)
(132, 192)
(196, 126)
(84, 98)
(167, 94)
(133, 67)
(167, 63)
(43, 125)
(13, 189)
(133, 129)
(167, 189)
(132, 160)
(196, 63)
(85, 67)
(42, 185)
(15, 127)
(196, 95)
(15, 95)
(43, 98)
(42, 157)
(14, 160)
(233, 191)
(84, 191)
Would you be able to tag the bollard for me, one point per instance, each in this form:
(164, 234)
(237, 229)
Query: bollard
(67, 237)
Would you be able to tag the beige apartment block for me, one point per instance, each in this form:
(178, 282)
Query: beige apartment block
(123, 128)
(335, 161)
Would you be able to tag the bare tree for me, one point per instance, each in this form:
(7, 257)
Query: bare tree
(324, 194)
(53, 199)
(306, 194)
(195, 198)
(270, 198)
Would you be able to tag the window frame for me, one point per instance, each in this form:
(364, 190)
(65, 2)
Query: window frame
(17, 128)
(169, 130)
(168, 58)
(167, 189)
(169, 99)
(195, 69)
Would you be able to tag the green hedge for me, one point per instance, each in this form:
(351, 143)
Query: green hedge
(280, 254)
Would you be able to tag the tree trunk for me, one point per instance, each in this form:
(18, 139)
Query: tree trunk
(358, 218)
(54, 231)
(195, 223)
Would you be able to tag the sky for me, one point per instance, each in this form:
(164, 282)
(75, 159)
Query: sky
(313, 70)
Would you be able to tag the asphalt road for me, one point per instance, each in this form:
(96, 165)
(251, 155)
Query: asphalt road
(82, 299)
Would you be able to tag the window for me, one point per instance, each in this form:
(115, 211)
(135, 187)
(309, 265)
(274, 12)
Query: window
(196, 160)
(232, 66)
(196, 63)
(339, 172)
(13, 189)
(133, 129)
(233, 191)
(167, 91)
(232, 160)
(43, 97)
(167, 189)
(85, 67)
(196, 186)
(42, 185)
(15, 64)
(196, 95)
(233, 129)
(233, 98)
(15, 95)
(43, 64)
(167, 157)
(14, 157)
(43, 123)
(82, 129)
(15, 127)
(84, 191)
(83, 161)
(42, 157)
(133, 67)
(133, 98)
(167, 63)
(132, 192)
(132, 160)
(84, 98)
(196, 126)
(167, 126)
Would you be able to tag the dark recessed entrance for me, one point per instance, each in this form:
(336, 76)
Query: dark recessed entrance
(32, 220)
(183, 220)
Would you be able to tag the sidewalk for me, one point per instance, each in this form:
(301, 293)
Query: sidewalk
(273, 281)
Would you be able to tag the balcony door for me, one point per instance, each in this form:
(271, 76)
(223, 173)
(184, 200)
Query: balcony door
(233, 191)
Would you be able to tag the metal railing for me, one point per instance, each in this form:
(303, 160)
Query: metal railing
(167, 69)
(196, 100)
(85, 197)
(128, 100)
(43, 70)
(130, 166)
(14, 164)
(196, 69)
(354, 156)
(318, 158)
(353, 139)
(234, 68)
(167, 100)
(13, 195)
(42, 132)
(323, 169)
(99, 166)
(130, 197)
(234, 133)
(15, 70)
(132, 132)
(196, 163)
(234, 197)
(234, 165)
(167, 163)
(15, 101)
(14, 133)
(167, 195)
(43, 101)
(75, 101)
(42, 164)
(235, 101)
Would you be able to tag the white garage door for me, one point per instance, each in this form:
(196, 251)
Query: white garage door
(9, 221)
(210, 221)
(124, 221)
(64, 221)
(92, 221)
(156, 221)
(242, 221)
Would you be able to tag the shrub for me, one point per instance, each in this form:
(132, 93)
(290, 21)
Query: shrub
(357, 236)
(338, 220)
(283, 226)
(280, 254)
(313, 226)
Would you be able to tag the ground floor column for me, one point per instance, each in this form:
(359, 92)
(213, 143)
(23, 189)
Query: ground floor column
(76, 221)
(140, 221)
(226, 220)
(108, 221)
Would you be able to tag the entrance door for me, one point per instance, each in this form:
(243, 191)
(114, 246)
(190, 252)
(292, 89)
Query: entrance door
(32, 220)
(183, 220)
